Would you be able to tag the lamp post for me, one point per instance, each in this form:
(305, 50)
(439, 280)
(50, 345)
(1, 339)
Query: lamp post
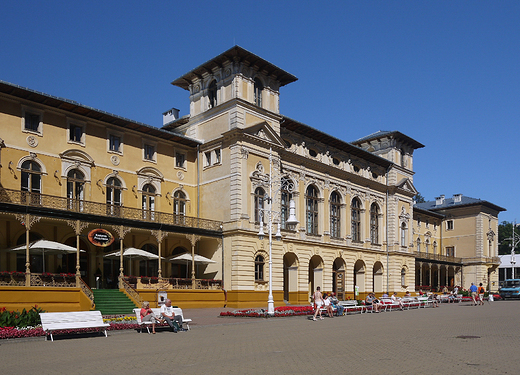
(281, 183)
(514, 244)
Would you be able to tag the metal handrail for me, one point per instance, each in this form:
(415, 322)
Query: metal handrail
(26, 198)
(439, 257)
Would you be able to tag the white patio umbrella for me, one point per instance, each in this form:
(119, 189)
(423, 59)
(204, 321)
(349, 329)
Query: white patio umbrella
(133, 253)
(186, 257)
(45, 247)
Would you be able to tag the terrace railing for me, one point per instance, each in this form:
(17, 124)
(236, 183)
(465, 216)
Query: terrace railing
(25, 198)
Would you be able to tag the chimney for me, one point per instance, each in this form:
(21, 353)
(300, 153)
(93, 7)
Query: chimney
(171, 115)
(457, 198)
(439, 200)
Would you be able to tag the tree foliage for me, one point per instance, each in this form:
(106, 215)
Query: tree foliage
(505, 235)
(419, 198)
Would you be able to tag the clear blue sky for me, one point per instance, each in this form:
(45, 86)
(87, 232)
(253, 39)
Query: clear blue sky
(445, 73)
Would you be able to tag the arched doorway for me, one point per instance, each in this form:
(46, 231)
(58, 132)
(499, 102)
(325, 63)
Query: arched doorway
(377, 277)
(36, 260)
(179, 270)
(290, 277)
(68, 262)
(315, 273)
(359, 277)
(338, 278)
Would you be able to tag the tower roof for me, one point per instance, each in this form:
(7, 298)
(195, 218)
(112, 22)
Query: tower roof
(239, 54)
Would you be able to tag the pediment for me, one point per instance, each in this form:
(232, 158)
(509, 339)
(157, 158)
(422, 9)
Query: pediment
(406, 185)
(264, 132)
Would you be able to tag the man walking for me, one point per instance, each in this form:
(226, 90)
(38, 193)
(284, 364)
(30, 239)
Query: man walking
(473, 290)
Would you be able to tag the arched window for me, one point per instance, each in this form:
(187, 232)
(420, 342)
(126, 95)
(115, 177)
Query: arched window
(212, 94)
(285, 203)
(259, 204)
(259, 268)
(374, 223)
(403, 277)
(114, 191)
(31, 182)
(335, 215)
(258, 92)
(418, 245)
(75, 189)
(404, 232)
(148, 202)
(311, 198)
(403, 160)
(427, 245)
(356, 220)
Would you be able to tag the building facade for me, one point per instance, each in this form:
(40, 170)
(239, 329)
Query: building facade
(209, 182)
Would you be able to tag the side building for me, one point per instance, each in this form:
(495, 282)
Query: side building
(456, 240)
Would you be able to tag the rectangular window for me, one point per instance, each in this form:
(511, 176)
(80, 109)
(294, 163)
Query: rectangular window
(149, 152)
(180, 160)
(217, 156)
(449, 225)
(208, 158)
(75, 133)
(450, 251)
(32, 122)
(114, 143)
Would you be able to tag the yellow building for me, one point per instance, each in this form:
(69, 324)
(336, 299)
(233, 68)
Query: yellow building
(206, 184)
(456, 240)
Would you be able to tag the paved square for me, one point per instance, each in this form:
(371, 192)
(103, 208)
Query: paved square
(425, 341)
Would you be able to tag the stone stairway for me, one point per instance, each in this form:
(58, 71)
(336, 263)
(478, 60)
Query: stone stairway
(112, 302)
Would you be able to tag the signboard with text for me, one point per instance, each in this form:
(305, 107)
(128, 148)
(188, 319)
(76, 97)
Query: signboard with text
(100, 237)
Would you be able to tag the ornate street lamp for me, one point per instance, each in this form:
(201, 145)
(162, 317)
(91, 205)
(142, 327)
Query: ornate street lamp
(280, 184)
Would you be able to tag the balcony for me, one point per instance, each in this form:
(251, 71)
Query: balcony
(54, 206)
(437, 257)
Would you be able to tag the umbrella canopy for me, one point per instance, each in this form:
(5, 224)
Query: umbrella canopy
(134, 253)
(186, 258)
(50, 247)
(45, 247)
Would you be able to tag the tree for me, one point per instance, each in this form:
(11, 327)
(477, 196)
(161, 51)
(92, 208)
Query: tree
(505, 235)
(419, 198)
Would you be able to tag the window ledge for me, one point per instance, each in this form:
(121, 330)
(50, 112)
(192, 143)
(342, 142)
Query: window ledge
(261, 281)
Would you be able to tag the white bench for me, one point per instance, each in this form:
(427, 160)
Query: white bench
(157, 311)
(352, 307)
(72, 320)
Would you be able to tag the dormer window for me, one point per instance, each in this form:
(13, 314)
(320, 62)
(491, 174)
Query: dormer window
(258, 92)
(212, 94)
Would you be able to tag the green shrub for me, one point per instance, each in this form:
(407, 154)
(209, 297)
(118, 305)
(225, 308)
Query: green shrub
(22, 319)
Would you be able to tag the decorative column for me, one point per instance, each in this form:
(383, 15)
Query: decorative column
(193, 240)
(121, 233)
(420, 274)
(27, 220)
(429, 275)
(159, 235)
(78, 227)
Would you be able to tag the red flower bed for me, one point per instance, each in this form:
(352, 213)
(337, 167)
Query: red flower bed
(278, 312)
(13, 332)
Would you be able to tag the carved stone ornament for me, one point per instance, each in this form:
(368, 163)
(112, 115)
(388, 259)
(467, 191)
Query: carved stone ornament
(227, 73)
(259, 167)
(180, 175)
(491, 235)
(244, 153)
(196, 89)
(115, 159)
(32, 141)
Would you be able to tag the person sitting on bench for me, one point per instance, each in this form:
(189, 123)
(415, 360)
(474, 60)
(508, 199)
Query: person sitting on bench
(175, 322)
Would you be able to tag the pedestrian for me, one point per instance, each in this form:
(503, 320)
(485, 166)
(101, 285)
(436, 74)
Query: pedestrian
(318, 302)
(473, 290)
(481, 292)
